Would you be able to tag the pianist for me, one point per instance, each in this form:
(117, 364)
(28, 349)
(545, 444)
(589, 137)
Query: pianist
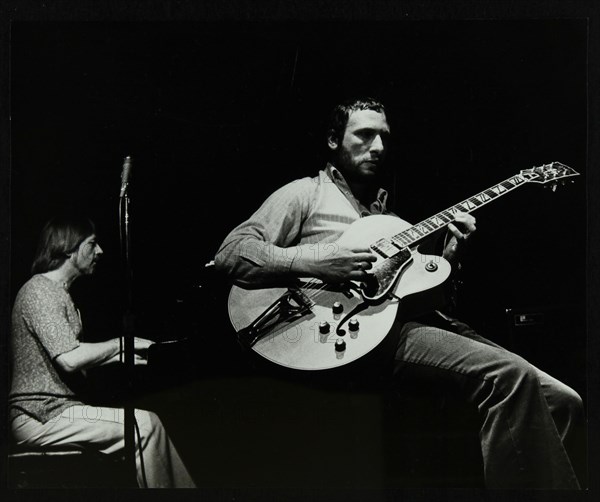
(48, 358)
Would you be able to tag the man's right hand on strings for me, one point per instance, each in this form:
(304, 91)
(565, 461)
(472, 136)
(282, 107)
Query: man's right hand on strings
(333, 263)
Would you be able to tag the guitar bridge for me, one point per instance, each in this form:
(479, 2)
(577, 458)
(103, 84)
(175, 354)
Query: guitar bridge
(302, 301)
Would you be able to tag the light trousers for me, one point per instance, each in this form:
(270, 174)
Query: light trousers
(101, 428)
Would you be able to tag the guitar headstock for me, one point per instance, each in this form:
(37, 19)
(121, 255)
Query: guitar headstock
(549, 174)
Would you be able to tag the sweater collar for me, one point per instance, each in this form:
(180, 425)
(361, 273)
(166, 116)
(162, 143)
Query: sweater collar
(378, 206)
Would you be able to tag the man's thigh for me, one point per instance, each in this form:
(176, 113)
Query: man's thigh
(448, 359)
(80, 426)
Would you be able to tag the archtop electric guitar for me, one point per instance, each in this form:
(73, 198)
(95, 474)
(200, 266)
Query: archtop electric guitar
(311, 325)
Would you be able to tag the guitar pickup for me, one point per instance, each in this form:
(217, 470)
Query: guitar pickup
(385, 248)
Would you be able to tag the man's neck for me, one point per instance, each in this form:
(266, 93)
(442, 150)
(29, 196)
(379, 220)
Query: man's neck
(363, 192)
(64, 275)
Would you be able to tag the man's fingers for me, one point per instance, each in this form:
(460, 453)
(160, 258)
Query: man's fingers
(142, 343)
(358, 275)
(139, 339)
(469, 224)
(368, 257)
(140, 361)
(466, 220)
(362, 265)
(364, 254)
(363, 250)
(456, 232)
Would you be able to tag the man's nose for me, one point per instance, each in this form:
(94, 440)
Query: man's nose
(99, 250)
(377, 144)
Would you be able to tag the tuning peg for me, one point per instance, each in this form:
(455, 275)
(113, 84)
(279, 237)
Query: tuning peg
(554, 188)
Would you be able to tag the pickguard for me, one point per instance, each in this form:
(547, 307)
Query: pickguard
(385, 275)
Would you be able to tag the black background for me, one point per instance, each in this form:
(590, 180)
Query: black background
(216, 115)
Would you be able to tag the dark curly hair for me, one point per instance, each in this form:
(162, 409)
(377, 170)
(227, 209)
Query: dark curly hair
(338, 120)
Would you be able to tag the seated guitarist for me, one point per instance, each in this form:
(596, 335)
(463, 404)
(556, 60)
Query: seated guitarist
(527, 416)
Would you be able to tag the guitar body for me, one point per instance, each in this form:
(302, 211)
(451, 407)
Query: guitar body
(300, 343)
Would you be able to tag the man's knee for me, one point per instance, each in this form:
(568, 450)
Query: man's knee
(148, 422)
(515, 373)
(568, 401)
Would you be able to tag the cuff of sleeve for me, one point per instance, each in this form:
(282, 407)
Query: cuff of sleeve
(271, 258)
(281, 260)
(64, 349)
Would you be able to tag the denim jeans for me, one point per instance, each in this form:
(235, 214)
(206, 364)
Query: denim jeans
(527, 417)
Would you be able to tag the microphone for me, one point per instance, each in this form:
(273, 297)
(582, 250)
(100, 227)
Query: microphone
(125, 175)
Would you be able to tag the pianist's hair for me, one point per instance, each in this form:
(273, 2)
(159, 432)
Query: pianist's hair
(60, 237)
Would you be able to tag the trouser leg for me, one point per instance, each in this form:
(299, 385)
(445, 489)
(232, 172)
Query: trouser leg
(521, 444)
(100, 427)
(564, 403)
(163, 466)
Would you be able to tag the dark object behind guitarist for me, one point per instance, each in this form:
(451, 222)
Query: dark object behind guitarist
(48, 358)
(527, 417)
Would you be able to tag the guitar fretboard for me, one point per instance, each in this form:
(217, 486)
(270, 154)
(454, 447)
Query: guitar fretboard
(388, 247)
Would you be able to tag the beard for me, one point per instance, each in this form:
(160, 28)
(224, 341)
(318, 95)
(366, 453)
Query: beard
(86, 268)
(358, 169)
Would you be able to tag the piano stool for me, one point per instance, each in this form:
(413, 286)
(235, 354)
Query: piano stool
(66, 467)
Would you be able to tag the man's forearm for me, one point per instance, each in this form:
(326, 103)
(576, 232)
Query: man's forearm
(89, 355)
(310, 259)
(251, 261)
(256, 262)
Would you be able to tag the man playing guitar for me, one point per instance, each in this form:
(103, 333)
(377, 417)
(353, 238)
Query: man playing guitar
(526, 415)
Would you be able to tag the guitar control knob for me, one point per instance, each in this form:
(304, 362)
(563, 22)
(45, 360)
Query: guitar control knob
(337, 308)
(324, 327)
(340, 345)
(353, 325)
(431, 266)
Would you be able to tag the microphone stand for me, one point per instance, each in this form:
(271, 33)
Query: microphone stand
(127, 339)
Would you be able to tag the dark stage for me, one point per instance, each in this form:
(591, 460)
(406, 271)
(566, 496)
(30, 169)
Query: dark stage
(216, 116)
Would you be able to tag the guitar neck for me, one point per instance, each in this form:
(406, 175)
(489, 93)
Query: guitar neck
(440, 220)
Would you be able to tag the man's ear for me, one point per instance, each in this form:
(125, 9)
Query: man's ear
(332, 141)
